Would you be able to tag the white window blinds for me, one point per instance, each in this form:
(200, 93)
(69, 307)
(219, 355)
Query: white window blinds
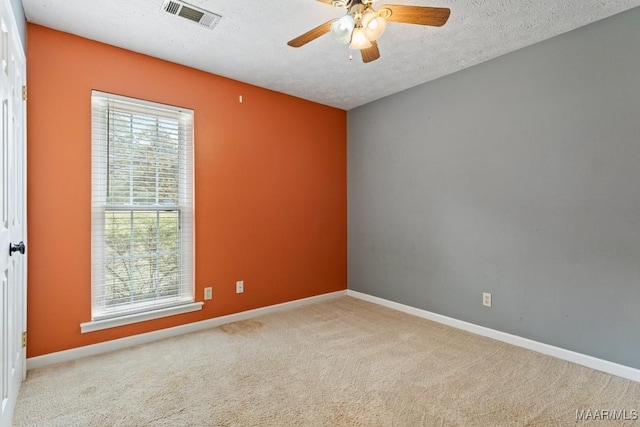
(142, 206)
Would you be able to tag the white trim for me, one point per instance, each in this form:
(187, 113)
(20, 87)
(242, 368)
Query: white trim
(623, 371)
(97, 325)
(118, 344)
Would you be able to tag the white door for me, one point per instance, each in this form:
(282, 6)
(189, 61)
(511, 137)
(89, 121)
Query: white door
(13, 261)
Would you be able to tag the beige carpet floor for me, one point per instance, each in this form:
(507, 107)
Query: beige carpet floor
(343, 362)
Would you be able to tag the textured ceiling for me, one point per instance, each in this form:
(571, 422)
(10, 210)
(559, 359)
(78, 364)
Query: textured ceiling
(249, 43)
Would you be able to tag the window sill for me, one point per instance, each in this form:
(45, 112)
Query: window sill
(97, 325)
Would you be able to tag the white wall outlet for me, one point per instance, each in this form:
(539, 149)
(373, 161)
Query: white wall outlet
(486, 299)
(239, 286)
(208, 293)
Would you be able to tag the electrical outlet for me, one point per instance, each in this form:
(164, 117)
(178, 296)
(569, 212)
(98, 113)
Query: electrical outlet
(208, 293)
(239, 286)
(486, 299)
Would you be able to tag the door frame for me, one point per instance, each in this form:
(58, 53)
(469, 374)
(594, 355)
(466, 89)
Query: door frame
(13, 53)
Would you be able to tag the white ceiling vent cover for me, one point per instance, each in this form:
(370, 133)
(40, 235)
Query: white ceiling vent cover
(192, 13)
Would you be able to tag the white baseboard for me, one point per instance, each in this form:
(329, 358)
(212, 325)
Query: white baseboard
(560, 353)
(118, 344)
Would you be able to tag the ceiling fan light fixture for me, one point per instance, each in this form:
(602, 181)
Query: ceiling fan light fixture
(359, 40)
(374, 25)
(342, 29)
(363, 25)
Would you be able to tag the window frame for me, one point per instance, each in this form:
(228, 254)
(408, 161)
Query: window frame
(102, 316)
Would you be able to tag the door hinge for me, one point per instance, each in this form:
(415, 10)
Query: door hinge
(24, 339)
(24, 93)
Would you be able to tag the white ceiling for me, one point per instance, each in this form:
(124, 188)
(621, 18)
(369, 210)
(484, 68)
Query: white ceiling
(250, 42)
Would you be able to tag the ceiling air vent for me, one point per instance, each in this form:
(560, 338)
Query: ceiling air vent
(192, 13)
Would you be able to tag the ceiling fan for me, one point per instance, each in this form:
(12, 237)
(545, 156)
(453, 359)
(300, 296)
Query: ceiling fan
(362, 25)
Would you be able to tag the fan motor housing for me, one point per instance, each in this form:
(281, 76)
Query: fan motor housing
(348, 3)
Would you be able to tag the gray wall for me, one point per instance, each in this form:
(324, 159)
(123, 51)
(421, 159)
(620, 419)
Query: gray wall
(18, 12)
(519, 177)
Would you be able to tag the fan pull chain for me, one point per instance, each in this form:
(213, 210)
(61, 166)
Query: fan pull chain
(350, 55)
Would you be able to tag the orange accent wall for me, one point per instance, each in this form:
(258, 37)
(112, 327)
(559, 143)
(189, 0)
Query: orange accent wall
(270, 187)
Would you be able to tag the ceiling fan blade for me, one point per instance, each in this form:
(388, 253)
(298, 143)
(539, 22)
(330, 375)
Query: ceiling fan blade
(305, 38)
(371, 53)
(433, 16)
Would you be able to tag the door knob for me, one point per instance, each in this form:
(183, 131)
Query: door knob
(16, 248)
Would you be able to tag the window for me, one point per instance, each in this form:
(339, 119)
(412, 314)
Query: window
(142, 211)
